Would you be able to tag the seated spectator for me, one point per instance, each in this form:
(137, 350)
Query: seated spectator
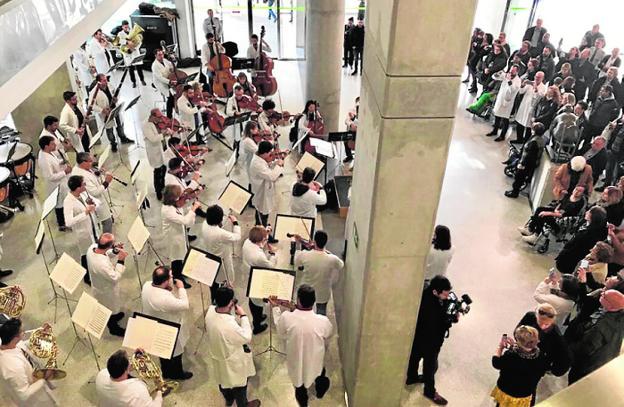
(597, 269)
(547, 107)
(564, 72)
(581, 243)
(564, 128)
(570, 175)
(494, 62)
(570, 205)
(529, 161)
(597, 52)
(596, 157)
(440, 253)
(560, 291)
(567, 88)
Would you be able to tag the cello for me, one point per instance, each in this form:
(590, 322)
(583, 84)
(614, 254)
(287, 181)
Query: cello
(224, 79)
(264, 81)
(176, 76)
(210, 117)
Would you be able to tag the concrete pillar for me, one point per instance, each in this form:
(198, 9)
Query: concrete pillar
(415, 51)
(324, 33)
(185, 24)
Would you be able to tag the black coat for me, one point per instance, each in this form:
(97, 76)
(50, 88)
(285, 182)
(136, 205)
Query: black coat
(545, 111)
(578, 247)
(347, 36)
(532, 152)
(528, 34)
(546, 65)
(432, 324)
(519, 376)
(585, 74)
(598, 163)
(599, 83)
(604, 60)
(356, 37)
(603, 112)
(574, 63)
(551, 344)
(494, 62)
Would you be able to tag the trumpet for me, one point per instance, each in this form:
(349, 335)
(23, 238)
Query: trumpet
(12, 301)
(42, 343)
(147, 370)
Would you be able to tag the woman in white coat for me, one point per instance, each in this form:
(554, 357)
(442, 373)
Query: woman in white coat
(307, 194)
(440, 253)
(532, 93)
(264, 171)
(504, 102)
(228, 348)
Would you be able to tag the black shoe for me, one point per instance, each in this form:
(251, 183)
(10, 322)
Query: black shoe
(345, 65)
(273, 240)
(143, 83)
(117, 317)
(511, 194)
(471, 111)
(492, 134)
(321, 385)
(263, 317)
(159, 197)
(185, 376)
(506, 162)
(192, 238)
(4, 273)
(134, 84)
(354, 73)
(117, 331)
(473, 90)
(86, 279)
(500, 138)
(258, 330)
(186, 285)
(347, 160)
(114, 148)
(517, 141)
(126, 140)
(414, 380)
(2, 285)
(437, 399)
(466, 80)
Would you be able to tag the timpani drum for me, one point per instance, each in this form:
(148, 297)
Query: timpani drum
(21, 164)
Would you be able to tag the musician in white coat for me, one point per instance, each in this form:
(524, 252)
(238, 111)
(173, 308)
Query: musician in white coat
(51, 128)
(54, 172)
(257, 254)
(172, 177)
(228, 348)
(166, 298)
(83, 69)
(135, 52)
(98, 52)
(504, 101)
(318, 268)
(190, 114)
(72, 122)
(96, 188)
(219, 241)
(103, 101)
(161, 69)
(306, 334)
(264, 171)
(252, 51)
(79, 210)
(17, 365)
(248, 146)
(532, 93)
(154, 149)
(106, 266)
(116, 388)
(306, 195)
(209, 50)
(175, 220)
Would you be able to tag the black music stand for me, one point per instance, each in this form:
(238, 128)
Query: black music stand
(112, 116)
(118, 65)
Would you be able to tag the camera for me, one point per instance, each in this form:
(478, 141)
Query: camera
(456, 305)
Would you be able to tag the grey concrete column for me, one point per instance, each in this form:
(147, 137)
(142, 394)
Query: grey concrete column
(324, 33)
(415, 51)
(185, 24)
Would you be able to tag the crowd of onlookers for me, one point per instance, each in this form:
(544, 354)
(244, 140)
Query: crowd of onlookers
(568, 102)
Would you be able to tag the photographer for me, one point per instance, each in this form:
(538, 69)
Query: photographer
(431, 327)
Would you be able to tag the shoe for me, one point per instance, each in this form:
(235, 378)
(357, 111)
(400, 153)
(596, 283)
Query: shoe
(114, 148)
(126, 140)
(17, 205)
(473, 90)
(63, 229)
(466, 81)
(185, 376)
(117, 317)
(117, 331)
(354, 73)
(263, 317)
(260, 329)
(186, 285)
(254, 403)
(2, 285)
(511, 194)
(418, 379)
(500, 138)
(506, 162)
(86, 279)
(347, 160)
(531, 239)
(471, 111)
(159, 197)
(345, 65)
(273, 240)
(492, 133)
(437, 399)
(524, 231)
(192, 238)
(143, 83)
(134, 85)
(4, 273)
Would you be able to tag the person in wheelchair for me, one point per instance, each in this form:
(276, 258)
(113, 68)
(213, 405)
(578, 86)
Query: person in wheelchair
(529, 161)
(549, 215)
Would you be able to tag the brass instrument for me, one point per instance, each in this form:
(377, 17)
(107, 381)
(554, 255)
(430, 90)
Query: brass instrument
(135, 36)
(148, 370)
(42, 343)
(12, 301)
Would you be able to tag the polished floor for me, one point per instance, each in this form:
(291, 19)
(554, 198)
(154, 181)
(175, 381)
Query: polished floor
(491, 264)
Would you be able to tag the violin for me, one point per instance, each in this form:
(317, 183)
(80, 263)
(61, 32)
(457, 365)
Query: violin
(249, 103)
(263, 80)
(163, 123)
(276, 117)
(211, 116)
(189, 194)
(278, 154)
(263, 136)
(224, 79)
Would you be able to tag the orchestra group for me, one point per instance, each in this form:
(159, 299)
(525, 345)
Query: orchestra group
(176, 146)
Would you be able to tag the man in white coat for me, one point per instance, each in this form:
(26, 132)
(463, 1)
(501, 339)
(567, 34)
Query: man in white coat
(135, 52)
(54, 172)
(79, 210)
(166, 298)
(504, 102)
(154, 149)
(318, 268)
(307, 194)
(95, 188)
(306, 333)
(84, 71)
(532, 93)
(190, 114)
(161, 69)
(256, 254)
(72, 122)
(264, 171)
(228, 348)
(98, 51)
(209, 50)
(16, 370)
(106, 264)
(219, 241)
(51, 128)
(116, 388)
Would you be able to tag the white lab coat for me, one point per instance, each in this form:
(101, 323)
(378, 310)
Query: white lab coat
(68, 122)
(248, 149)
(305, 333)
(82, 224)
(60, 152)
(153, 145)
(218, 241)
(82, 67)
(187, 112)
(174, 224)
(527, 105)
(160, 76)
(53, 172)
(105, 274)
(171, 179)
(264, 123)
(253, 53)
(262, 179)
(254, 255)
(506, 97)
(97, 53)
(231, 366)
(172, 306)
(126, 393)
(320, 270)
(95, 189)
(305, 205)
(206, 56)
(17, 381)
(101, 103)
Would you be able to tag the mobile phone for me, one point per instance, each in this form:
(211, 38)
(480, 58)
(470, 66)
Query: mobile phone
(584, 264)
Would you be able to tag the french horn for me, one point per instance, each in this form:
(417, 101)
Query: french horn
(12, 301)
(148, 370)
(42, 343)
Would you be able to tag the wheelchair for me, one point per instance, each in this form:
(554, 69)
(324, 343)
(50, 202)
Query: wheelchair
(566, 228)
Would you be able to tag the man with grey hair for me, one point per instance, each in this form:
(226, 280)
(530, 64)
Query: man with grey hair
(596, 156)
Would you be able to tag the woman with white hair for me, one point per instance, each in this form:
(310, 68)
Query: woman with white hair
(570, 175)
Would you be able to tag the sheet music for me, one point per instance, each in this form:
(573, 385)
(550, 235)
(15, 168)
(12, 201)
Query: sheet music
(138, 235)
(91, 315)
(308, 160)
(200, 267)
(50, 203)
(265, 283)
(67, 273)
(39, 235)
(293, 225)
(234, 197)
(104, 156)
(155, 338)
(322, 147)
(229, 165)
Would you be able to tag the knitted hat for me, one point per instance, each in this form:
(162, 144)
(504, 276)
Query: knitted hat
(577, 163)
(612, 301)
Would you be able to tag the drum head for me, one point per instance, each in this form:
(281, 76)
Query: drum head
(4, 175)
(22, 151)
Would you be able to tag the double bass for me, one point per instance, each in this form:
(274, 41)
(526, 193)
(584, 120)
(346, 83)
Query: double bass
(224, 79)
(264, 81)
